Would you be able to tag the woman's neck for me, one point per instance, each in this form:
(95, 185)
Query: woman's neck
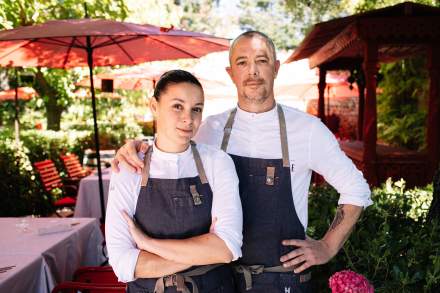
(168, 146)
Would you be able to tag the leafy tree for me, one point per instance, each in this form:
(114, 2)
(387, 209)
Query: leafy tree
(55, 86)
(286, 22)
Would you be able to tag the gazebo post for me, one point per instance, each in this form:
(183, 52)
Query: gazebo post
(321, 89)
(361, 106)
(370, 112)
(433, 121)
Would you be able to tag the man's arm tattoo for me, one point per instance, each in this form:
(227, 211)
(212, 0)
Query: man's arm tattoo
(339, 217)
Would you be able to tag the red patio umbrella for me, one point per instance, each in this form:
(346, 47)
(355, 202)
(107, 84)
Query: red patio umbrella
(23, 93)
(94, 42)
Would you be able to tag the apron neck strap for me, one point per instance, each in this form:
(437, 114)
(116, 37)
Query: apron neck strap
(197, 160)
(146, 169)
(228, 129)
(283, 133)
(283, 136)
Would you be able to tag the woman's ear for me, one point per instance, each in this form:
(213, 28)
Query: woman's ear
(153, 106)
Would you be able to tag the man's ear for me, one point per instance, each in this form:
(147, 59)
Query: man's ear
(229, 71)
(153, 106)
(277, 67)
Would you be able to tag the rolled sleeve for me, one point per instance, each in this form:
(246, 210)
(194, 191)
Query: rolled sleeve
(122, 250)
(226, 205)
(327, 159)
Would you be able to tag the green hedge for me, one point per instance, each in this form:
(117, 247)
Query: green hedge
(20, 190)
(393, 245)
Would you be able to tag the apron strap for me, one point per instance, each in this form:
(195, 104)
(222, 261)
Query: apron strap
(146, 169)
(283, 133)
(248, 271)
(228, 129)
(178, 280)
(197, 159)
(283, 136)
(198, 162)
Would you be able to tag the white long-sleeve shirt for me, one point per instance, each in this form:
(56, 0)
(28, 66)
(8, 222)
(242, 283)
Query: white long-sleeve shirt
(311, 147)
(124, 192)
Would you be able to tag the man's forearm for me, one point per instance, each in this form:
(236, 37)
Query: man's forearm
(342, 226)
(150, 265)
(199, 250)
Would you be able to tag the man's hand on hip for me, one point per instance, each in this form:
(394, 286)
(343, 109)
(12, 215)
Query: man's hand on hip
(309, 252)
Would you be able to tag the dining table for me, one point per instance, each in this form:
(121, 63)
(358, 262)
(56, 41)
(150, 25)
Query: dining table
(88, 200)
(36, 254)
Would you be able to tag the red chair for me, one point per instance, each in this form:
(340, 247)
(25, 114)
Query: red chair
(96, 275)
(73, 167)
(74, 287)
(50, 179)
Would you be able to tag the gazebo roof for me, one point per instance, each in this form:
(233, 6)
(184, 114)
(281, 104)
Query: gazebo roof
(399, 31)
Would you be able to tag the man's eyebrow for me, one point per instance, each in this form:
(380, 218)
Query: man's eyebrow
(240, 58)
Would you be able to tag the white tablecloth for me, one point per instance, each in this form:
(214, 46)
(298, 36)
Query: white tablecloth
(88, 201)
(42, 261)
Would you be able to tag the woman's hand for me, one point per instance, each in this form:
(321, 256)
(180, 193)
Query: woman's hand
(139, 237)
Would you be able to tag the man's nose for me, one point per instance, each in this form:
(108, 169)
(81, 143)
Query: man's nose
(253, 69)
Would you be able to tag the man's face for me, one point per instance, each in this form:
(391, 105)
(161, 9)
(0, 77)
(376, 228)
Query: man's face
(253, 69)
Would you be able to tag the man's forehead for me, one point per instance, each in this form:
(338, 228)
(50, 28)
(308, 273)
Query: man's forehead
(254, 45)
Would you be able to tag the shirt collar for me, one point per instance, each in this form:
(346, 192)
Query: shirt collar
(170, 156)
(249, 116)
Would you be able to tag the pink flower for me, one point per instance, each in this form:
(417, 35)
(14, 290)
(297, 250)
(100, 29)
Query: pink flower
(348, 281)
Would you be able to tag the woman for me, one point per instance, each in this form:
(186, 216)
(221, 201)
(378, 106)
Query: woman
(185, 204)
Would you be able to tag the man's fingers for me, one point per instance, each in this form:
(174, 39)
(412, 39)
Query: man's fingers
(115, 164)
(294, 262)
(132, 148)
(303, 267)
(295, 242)
(144, 147)
(292, 254)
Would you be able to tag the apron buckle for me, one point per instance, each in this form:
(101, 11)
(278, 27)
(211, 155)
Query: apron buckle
(197, 198)
(270, 176)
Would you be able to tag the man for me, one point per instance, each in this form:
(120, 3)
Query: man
(275, 148)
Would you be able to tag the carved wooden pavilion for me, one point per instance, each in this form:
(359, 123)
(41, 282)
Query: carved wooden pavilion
(361, 42)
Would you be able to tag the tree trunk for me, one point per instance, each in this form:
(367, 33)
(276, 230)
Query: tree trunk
(53, 110)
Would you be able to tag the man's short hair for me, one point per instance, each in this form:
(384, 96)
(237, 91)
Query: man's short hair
(252, 34)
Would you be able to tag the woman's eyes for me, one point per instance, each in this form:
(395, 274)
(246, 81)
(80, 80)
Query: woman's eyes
(198, 110)
(180, 107)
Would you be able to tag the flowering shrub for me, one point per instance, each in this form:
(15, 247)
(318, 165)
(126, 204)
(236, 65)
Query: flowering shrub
(348, 281)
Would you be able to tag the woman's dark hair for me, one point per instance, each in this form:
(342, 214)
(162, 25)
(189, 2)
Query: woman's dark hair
(174, 77)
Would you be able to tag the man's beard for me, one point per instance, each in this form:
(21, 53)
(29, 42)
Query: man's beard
(256, 99)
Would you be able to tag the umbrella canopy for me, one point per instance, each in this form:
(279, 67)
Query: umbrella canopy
(63, 44)
(95, 42)
(24, 93)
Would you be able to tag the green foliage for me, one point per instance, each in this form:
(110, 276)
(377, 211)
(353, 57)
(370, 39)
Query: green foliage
(20, 192)
(402, 104)
(393, 245)
(366, 5)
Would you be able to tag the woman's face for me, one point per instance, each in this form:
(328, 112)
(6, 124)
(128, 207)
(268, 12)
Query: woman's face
(178, 115)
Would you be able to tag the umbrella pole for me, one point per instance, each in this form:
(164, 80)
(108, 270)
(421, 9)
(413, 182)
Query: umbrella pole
(95, 126)
(16, 122)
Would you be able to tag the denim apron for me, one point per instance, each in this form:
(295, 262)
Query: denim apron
(179, 209)
(269, 216)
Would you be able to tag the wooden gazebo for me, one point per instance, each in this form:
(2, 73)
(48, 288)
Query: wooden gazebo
(361, 42)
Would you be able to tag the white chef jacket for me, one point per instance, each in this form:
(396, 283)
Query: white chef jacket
(311, 147)
(124, 191)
